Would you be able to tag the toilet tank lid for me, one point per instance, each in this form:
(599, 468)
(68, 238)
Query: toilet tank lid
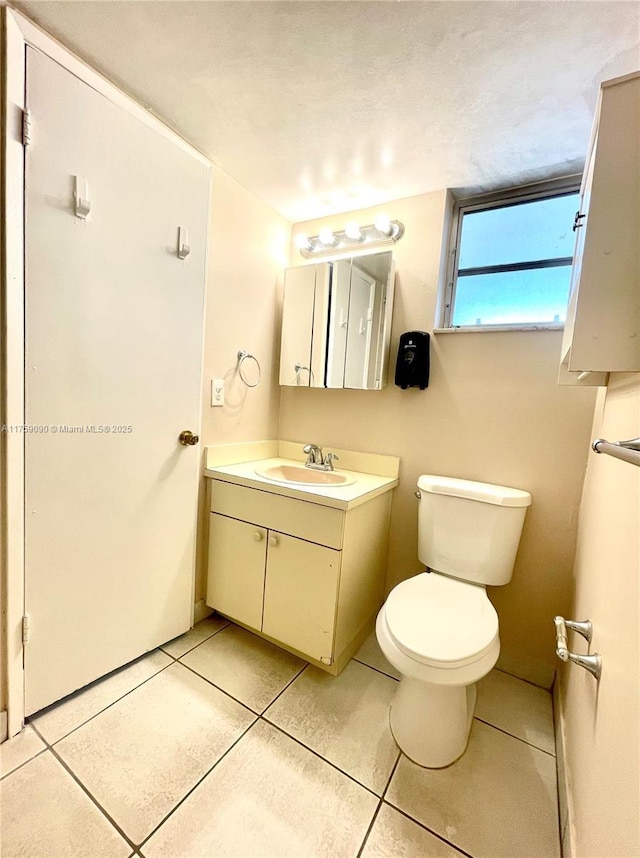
(483, 492)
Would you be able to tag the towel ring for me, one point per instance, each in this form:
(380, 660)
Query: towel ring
(243, 356)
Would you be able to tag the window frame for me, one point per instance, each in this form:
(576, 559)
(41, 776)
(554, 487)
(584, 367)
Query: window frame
(484, 202)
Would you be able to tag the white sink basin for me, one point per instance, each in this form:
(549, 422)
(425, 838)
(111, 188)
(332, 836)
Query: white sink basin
(298, 475)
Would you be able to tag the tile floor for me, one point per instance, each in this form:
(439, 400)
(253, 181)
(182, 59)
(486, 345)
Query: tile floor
(221, 744)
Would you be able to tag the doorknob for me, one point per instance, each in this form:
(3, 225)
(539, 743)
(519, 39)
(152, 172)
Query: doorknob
(187, 438)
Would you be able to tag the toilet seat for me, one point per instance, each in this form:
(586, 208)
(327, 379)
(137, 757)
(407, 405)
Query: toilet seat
(440, 621)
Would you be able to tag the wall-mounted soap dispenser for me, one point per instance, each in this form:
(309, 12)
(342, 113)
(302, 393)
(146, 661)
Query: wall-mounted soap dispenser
(412, 365)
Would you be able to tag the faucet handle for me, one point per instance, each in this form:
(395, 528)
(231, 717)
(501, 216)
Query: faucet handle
(329, 459)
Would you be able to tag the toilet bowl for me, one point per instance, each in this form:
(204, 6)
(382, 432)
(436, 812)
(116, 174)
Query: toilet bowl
(438, 628)
(442, 636)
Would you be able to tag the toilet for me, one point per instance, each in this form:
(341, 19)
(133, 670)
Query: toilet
(439, 629)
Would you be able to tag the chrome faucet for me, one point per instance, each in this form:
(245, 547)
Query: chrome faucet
(315, 459)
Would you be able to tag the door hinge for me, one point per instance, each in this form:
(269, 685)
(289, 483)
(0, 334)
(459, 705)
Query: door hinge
(26, 127)
(26, 629)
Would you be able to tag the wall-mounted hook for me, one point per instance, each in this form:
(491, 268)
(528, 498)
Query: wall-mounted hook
(82, 203)
(183, 247)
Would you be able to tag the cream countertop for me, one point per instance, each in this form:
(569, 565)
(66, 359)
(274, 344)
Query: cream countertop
(365, 488)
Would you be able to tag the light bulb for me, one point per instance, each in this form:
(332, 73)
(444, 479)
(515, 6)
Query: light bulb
(353, 231)
(383, 224)
(327, 237)
(302, 242)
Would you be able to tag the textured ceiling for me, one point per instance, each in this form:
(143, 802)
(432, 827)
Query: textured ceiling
(321, 107)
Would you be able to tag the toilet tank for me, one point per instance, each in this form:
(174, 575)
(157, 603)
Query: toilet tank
(470, 530)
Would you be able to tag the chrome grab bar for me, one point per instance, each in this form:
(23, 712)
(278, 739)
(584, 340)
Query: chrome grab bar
(628, 451)
(592, 663)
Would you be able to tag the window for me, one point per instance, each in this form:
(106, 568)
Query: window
(511, 259)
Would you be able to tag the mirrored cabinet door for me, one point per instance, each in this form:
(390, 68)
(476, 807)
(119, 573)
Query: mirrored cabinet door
(361, 299)
(337, 323)
(338, 320)
(306, 302)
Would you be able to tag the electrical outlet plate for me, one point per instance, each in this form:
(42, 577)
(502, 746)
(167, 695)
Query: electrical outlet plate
(217, 392)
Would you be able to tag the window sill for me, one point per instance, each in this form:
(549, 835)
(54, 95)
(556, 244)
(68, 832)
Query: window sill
(478, 329)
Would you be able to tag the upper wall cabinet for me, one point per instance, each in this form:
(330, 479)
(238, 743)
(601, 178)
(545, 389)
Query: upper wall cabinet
(336, 323)
(602, 331)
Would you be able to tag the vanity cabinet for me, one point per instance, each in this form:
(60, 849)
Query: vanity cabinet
(602, 330)
(275, 583)
(304, 575)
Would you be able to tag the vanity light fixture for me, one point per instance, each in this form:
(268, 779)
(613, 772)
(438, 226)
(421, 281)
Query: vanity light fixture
(353, 232)
(303, 243)
(383, 231)
(327, 238)
(383, 224)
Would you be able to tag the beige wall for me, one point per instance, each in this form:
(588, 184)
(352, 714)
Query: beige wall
(601, 722)
(248, 252)
(493, 412)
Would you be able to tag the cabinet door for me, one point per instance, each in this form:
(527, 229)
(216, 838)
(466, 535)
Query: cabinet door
(338, 321)
(361, 303)
(603, 330)
(235, 582)
(300, 595)
(320, 324)
(297, 326)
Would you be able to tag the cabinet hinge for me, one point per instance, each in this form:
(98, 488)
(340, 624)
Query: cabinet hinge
(26, 629)
(26, 127)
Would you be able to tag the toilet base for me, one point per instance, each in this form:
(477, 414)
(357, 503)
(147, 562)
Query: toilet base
(431, 723)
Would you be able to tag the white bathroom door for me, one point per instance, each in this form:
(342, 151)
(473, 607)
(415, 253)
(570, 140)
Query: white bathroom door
(114, 322)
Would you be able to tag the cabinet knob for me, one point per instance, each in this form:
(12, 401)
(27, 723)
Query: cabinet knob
(273, 541)
(257, 536)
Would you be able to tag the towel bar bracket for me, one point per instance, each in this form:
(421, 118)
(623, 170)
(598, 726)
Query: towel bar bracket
(628, 451)
(592, 663)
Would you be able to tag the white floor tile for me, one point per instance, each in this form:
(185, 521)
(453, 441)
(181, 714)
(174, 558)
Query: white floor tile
(251, 669)
(199, 633)
(344, 718)
(63, 717)
(497, 801)
(268, 797)
(371, 654)
(140, 756)
(14, 752)
(45, 814)
(395, 836)
(519, 708)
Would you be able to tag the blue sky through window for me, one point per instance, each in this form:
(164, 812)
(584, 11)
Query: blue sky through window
(527, 232)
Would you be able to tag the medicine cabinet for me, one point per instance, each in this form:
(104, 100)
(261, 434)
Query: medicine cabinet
(602, 331)
(336, 323)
